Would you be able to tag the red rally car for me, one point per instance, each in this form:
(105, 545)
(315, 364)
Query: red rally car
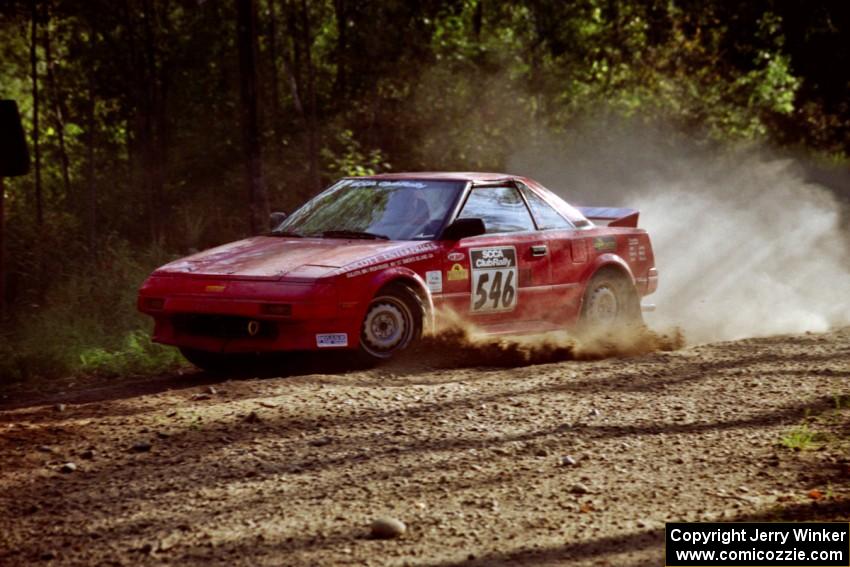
(372, 262)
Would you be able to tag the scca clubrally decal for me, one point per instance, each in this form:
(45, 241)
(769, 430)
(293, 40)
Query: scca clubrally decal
(494, 278)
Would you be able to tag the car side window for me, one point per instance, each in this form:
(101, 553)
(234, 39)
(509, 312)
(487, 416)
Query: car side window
(501, 208)
(546, 216)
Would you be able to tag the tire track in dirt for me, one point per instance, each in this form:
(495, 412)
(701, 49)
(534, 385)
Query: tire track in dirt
(292, 470)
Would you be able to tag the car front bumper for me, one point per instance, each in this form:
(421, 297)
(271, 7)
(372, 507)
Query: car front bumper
(233, 315)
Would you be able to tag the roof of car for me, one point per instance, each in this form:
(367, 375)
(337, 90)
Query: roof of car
(570, 212)
(474, 176)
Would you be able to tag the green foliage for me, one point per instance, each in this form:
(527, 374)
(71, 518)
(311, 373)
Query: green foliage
(350, 159)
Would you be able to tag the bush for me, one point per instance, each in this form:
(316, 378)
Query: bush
(138, 354)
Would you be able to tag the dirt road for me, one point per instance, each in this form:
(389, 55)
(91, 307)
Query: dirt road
(292, 470)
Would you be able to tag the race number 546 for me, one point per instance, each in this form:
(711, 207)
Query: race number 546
(494, 279)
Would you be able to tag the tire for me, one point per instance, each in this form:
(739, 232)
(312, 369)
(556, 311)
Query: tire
(610, 304)
(216, 362)
(393, 322)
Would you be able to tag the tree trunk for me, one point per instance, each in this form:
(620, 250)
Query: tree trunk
(2, 250)
(133, 130)
(313, 122)
(90, 181)
(139, 131)
(275, 83)
(59, 111)
(246, 39)
(163, 83)
(293, 68)
(341, 79)
(36, 148)
(152, 159)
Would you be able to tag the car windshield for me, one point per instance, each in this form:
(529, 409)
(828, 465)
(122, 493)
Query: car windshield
(375, 208)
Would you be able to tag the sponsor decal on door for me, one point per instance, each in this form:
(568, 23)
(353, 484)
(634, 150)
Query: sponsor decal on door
(494, 279)
(434, 281)
(457, 273)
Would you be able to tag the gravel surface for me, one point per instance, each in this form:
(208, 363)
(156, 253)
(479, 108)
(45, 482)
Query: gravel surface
(564, 463)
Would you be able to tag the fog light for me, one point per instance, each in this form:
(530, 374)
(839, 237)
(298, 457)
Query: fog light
(279, 309)
(154, 303)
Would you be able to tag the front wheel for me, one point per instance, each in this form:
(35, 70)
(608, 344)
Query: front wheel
(392, 322)
(611, 304)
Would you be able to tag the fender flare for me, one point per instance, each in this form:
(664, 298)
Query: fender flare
(602, 262)
(412, 279)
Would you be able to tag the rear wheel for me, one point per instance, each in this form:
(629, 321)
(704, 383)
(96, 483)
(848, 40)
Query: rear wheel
(393, 321)
(611, 303)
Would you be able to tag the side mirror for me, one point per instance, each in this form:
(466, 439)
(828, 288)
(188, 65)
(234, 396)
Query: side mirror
(464, 228)
(14, 157)
(276, 219)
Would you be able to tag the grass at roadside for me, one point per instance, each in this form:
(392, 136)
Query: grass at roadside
(802, 438)
(87, 324)
(824, 431)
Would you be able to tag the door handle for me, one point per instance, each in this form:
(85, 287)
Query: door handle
(538, 250)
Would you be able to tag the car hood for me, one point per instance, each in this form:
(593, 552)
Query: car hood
(273, 257)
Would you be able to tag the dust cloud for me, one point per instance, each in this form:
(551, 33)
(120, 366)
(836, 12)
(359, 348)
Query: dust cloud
(458, 343)
(744, 244)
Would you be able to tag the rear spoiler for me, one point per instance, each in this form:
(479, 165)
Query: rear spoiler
(611, 216)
